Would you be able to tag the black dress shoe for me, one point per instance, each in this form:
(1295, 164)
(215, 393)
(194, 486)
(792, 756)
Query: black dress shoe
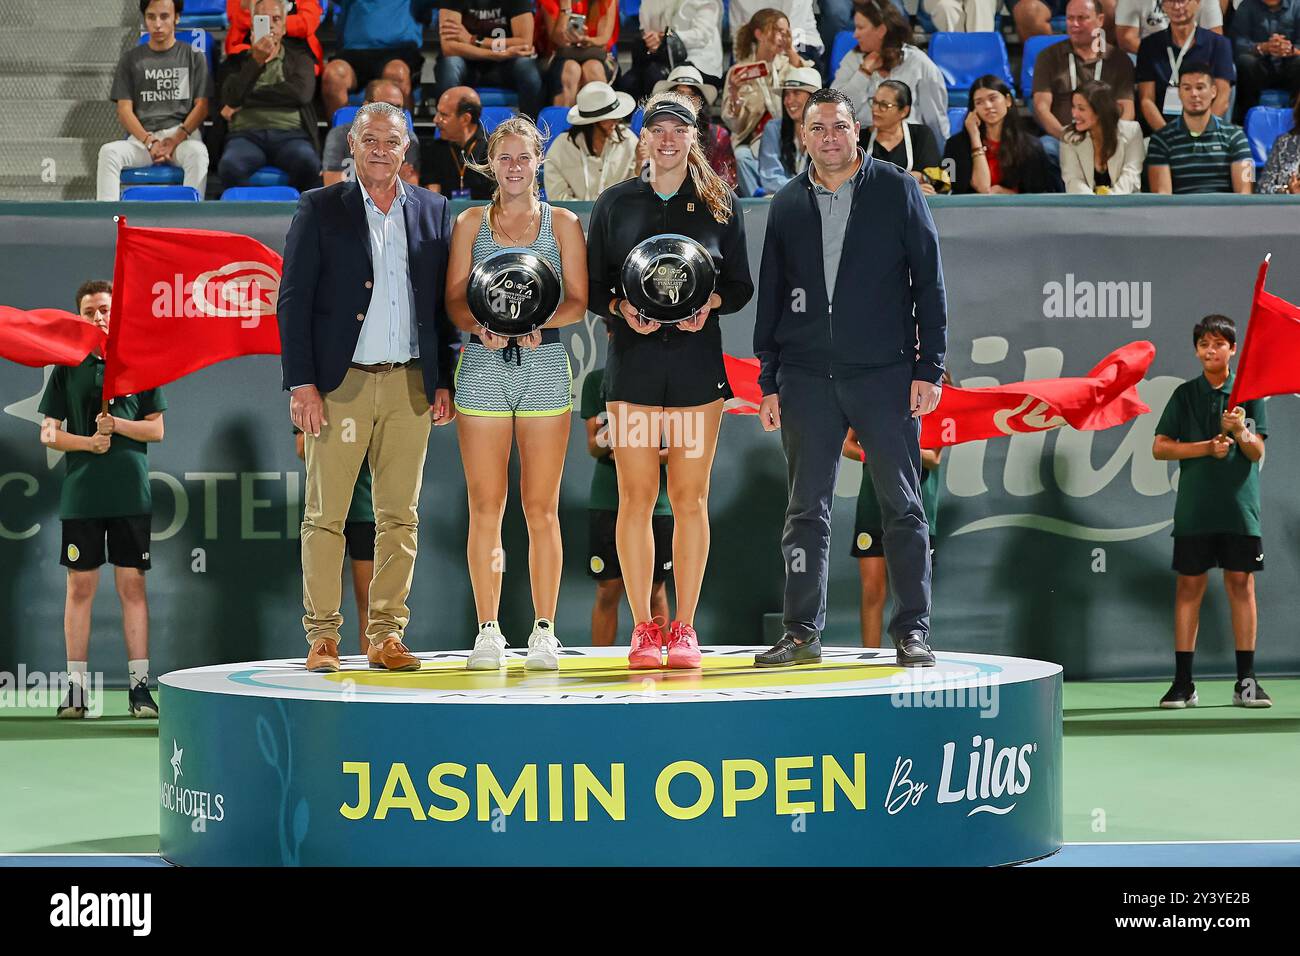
(788, 651)
(912, 651)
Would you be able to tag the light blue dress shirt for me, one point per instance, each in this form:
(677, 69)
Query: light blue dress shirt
(388, 333)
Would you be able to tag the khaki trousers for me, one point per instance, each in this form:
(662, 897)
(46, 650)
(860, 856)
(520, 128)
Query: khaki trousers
(382, 417)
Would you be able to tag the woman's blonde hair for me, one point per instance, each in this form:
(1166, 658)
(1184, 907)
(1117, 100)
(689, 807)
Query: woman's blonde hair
(747, 38)
(708, 184)
(520, 126)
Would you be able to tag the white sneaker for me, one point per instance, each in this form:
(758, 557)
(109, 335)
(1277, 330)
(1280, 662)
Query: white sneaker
(542, 647)
(489, 649)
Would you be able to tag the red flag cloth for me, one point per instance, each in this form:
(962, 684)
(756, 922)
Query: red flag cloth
(41, 337)
(1105, 397)
(1270, 355)
(184, 299)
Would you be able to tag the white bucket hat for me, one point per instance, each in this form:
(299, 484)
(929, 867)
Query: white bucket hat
(598, 101)
(687, 75)
(802, 78)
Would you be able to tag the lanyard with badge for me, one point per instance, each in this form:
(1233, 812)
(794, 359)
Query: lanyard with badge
(1074, 72)
(907, 144)
(1173, 105)
(462, 163)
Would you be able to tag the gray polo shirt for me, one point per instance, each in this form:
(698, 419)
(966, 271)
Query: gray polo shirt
(835, 208)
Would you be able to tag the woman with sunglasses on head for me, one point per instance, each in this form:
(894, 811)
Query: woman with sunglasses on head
(515, 391)
(661, 375)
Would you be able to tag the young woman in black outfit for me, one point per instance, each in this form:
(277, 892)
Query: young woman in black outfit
(666, 380)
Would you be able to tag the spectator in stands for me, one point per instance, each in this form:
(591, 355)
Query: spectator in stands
(715, 138)
(674, 32)
(377, 38)
(1061, 67)
(302, 22)
(885, 52)
(1161, 55)
(1282, 171)
(1101, 152)
(993, 152)
(1135, 20)
(336, 158)
(751, 95)
(894, 138)
(962, 16)
(268, 96)
(803, 24)
(490, 43)
(462, 145)
(1034, 17)
(781, 153)
(577, 58)
(598, 150)
(162, 90)
(1197, 152)
(1266, 42)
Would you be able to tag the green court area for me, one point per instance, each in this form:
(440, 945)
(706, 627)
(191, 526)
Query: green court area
(1132, 771)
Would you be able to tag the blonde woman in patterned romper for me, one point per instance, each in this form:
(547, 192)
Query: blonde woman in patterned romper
(521, 390)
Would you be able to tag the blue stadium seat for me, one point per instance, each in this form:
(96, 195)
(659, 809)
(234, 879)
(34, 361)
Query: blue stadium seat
(636, 120)
(1033, 47)
(1264, 124)
(494, 116)
(267, 176)
(553, 121)
(631, 9)
(956, 119)
(965, 57)
(160, 194)
(1278, 98)
(204, 13)
(201, 40)
(840, 47)
(159, 174)
(345, 114)
(260, 194)
(1058, 23)
(496, 96)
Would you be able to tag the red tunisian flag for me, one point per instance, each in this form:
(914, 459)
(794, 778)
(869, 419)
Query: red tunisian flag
(184, 299)
(43, 337)
(1270, 355)
(1105, 397)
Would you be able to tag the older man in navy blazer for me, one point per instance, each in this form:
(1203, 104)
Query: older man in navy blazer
(367, 352)
(875, 365)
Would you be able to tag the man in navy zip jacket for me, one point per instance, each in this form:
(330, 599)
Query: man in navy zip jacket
(875, 363)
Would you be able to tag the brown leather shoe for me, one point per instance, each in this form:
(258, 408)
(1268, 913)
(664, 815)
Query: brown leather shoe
(323, 658)
(392, 655)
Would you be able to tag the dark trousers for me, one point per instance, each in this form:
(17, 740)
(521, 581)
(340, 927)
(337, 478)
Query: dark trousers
(520, 74)
(1258, 73)
(816, 413)
(249, 150)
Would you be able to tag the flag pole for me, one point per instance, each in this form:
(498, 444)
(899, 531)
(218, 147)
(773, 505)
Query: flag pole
(103, 399)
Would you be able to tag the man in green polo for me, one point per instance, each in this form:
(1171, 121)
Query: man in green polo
(105, 505)
(1216, 514)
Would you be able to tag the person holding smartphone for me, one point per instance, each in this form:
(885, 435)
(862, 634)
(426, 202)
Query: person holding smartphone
(578, 36)
(751, 95)
(666, 383)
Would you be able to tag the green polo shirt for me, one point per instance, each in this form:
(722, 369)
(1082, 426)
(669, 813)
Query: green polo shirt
(604, 480)
(868, 516)
(1215, 495)
(267, 117)
(1199, 163)
(116, 483)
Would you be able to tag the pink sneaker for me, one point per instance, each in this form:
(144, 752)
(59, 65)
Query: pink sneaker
(683, 648)
(647, 647)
